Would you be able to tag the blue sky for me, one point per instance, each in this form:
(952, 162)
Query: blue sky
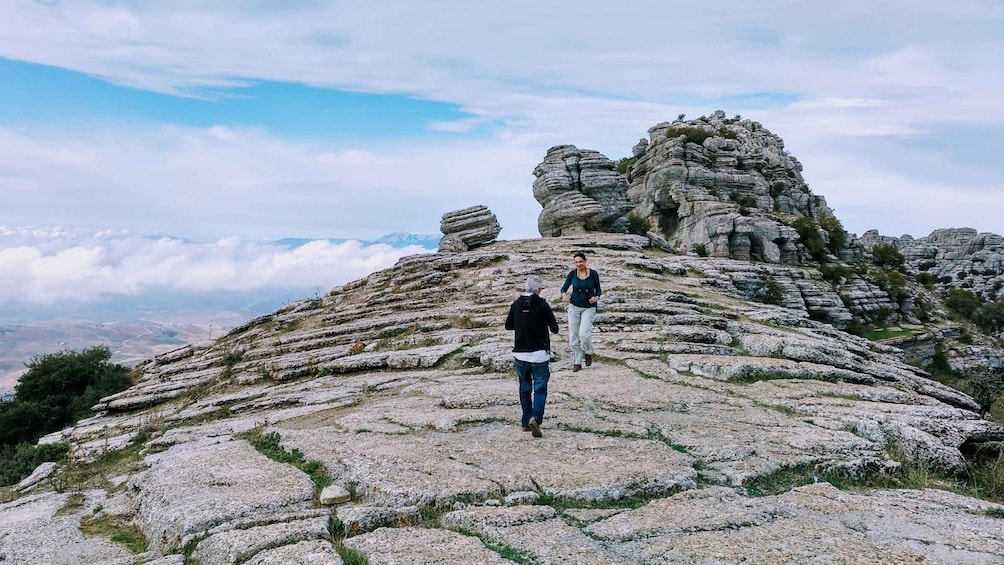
(231, 124)
(37, 96)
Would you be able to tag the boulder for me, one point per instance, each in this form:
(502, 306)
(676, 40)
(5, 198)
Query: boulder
(468, 228)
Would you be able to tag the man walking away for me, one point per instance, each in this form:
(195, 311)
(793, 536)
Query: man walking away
(531, 317)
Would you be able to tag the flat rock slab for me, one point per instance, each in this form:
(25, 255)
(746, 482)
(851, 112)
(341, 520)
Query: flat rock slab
(315, 552)
(237, 546)
(34, 530)
(423, 546)
(811, 524)
(536, 531)
(487, 461)
(192, 488)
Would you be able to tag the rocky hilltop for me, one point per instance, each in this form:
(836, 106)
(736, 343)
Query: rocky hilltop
(711, 429)
(723, 186)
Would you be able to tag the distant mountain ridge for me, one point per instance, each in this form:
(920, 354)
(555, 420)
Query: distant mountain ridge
(395, 239)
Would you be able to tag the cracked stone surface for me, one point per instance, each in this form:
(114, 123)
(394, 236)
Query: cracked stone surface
(408, 402)
(423, 546)
(39, 529)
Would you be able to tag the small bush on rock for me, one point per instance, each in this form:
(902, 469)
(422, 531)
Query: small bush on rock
(636, 224)
(17, 462)
(808, 235)
(962, 302)
(985, 385)
(624, 164)
(772, 292)
(886, 256)
(693, 134)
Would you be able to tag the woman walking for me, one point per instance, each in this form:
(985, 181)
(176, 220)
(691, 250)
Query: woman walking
(581, 292)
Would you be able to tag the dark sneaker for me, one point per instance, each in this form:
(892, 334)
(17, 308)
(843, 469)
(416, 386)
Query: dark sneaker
(535, 428)
(589, 359)
(526, 429)
(576, 367)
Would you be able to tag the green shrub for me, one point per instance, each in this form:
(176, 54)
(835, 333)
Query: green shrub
(886, 256)
(57, 390)
(624, 164)
(636, 224)
(727, 133)
(940, 367)
(836, 274)
(772, 292)
(17, 462)
(986, 476)
(926, 265)
(926, 279)
(990, 316)
(836, 231)
(808, 235)
(962, 302)
(856, 327)
(985, 385)
(693, 134)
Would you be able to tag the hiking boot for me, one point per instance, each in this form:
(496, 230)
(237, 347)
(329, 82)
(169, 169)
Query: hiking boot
(589, 359)
(576, 368)
(526, 429)
(535, 428)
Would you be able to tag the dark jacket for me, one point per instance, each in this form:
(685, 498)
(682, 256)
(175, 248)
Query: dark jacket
(531, 317)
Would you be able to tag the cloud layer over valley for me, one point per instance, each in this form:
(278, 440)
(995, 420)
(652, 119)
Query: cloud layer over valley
(49, 269)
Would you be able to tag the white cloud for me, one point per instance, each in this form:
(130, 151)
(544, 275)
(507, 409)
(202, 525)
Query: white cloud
(531, 75)
(39, 266)
(215, 182)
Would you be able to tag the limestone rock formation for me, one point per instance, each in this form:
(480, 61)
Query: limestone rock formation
(580, 190)
(957, 257)
(725, 187)
(659, 452)
(468, 228)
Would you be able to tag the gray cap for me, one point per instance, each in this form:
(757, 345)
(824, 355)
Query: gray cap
(534, 283)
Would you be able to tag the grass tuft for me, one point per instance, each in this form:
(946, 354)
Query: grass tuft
(115, 528)
(270, 445)
(351, 556)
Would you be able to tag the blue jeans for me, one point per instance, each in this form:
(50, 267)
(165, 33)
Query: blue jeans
(533, 379)
(580, 331)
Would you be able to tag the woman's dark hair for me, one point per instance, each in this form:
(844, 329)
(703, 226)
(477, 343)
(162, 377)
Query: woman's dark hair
(579, 254)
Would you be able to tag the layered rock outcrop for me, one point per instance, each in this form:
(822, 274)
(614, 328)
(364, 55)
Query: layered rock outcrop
(724, 187)
(580, 191)
(956, 257)
(658, 452)
(468, 228)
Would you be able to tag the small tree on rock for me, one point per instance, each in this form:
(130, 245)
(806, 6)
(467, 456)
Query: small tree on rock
(886, 255)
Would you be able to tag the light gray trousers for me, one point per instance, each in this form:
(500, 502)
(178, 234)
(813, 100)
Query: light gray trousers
(580, 331)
